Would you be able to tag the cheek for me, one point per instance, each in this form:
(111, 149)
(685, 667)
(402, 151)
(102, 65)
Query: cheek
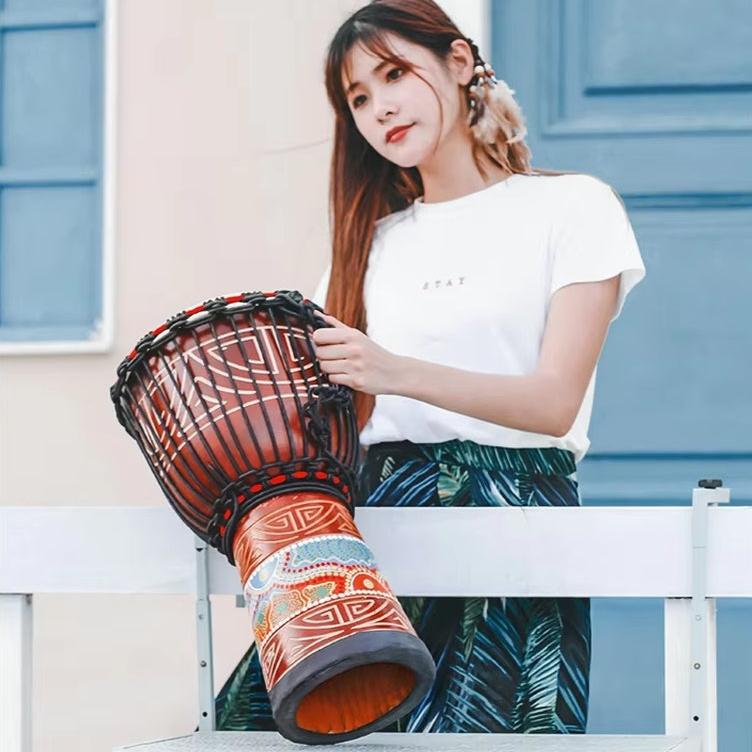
(429, 112)
(368, 130)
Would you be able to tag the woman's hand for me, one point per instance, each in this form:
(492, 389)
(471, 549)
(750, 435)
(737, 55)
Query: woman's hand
(351, 358)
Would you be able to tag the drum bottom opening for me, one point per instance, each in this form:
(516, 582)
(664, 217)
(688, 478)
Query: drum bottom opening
(355, 698)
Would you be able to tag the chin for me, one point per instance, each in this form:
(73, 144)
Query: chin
(405, 163)
(410, 158)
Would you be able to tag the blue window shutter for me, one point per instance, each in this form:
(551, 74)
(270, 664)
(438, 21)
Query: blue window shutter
(51, 122)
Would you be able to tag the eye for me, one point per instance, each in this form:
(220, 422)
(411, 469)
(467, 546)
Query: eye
(355, 102)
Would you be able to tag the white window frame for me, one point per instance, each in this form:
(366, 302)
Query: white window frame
(101, 336)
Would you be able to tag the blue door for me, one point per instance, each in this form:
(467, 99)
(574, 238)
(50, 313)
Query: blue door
(656, 99)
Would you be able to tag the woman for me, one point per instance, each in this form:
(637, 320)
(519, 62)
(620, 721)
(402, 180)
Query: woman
(469, 296)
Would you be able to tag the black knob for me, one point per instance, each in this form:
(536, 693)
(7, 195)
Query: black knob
(708, 483)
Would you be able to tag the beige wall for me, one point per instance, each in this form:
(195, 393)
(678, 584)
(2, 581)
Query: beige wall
(223, 144)
(222, 157)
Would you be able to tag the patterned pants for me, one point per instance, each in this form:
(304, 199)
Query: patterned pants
(504, 665)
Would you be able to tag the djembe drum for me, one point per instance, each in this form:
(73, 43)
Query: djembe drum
(256, 451)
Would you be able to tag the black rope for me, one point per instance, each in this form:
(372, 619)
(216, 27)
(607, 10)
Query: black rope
(153, 411)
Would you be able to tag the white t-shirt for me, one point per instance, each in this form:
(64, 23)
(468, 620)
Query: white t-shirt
(467, 283)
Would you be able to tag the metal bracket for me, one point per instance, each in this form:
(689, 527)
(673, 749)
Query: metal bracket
(702, 695)
(207, 716)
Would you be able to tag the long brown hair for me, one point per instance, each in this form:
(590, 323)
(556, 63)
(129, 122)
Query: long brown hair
(364, 186)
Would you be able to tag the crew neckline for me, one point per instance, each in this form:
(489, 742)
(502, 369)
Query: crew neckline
(467, 198)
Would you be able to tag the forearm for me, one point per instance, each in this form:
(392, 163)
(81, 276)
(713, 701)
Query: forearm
(531, 402)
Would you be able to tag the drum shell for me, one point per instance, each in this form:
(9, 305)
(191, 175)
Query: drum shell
(225, 401)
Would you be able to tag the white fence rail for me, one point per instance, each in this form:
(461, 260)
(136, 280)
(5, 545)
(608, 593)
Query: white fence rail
(688, 555)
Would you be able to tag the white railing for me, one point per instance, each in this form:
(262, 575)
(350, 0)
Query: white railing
(688, 555)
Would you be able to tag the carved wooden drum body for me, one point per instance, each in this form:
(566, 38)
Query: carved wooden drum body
(256, 452)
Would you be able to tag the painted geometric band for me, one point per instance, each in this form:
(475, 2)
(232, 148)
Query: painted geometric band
(280, 522)
(305, 574)
(326, 624)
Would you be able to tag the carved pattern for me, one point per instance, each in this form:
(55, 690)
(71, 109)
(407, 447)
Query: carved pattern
(326, 624)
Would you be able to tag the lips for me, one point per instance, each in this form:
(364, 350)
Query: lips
(397, 131)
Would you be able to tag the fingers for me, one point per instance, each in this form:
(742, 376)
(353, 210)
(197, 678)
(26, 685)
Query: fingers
(334, 366)
(331, 335)
(331, 320)
(331, 352)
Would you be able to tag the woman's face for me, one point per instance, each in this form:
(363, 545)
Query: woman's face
(391, 96)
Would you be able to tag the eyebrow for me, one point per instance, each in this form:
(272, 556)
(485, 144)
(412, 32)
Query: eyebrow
(376, 69)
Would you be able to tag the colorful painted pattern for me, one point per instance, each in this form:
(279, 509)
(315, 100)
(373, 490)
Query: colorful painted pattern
(313, 593)
(310, 580)
(516, 665)
(306, 574)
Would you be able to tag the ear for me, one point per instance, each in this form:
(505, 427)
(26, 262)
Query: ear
(460, 61)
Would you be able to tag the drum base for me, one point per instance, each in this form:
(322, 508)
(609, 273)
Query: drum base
(407, 654)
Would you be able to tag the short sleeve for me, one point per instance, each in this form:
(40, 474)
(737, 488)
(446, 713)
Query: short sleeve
(592, 239)
(319, 296)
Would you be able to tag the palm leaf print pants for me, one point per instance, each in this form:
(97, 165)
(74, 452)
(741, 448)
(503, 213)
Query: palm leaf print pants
(504, 665)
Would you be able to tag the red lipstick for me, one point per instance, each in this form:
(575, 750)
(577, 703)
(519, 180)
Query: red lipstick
(396, 133)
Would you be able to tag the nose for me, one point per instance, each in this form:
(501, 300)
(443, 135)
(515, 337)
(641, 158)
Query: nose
(384, 110)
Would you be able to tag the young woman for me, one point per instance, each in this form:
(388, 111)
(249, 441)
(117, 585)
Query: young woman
(470, 297)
